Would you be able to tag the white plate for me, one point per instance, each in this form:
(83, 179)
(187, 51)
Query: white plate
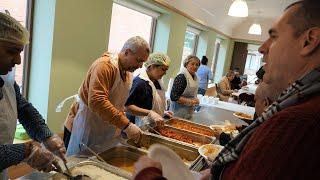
(173, 168)
(203, 148)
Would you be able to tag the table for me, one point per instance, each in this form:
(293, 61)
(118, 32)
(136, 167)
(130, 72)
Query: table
(209, 115)
(230, 107)
(250, 89)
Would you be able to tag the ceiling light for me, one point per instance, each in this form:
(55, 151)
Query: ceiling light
(238, 8)
(255, 29)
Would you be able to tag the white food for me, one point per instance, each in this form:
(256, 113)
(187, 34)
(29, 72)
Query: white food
(94, 172)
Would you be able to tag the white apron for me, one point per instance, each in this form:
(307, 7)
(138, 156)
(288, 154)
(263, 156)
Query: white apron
(158, 99)
(8, 114)
(89, 128)
(191, 91)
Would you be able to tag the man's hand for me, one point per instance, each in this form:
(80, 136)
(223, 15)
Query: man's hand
(41, 159)
(56, 146)
(133, 132)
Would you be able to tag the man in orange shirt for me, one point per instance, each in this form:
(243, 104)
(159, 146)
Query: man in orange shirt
(99, 116)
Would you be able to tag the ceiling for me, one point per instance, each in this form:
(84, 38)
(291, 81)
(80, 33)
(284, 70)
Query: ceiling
(213, 13)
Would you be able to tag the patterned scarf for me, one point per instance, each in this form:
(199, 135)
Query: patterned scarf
(303, 88)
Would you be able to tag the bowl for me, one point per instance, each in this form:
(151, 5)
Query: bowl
(210, 151)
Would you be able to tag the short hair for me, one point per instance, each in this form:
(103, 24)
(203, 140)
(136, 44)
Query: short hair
(230, 73)
(204, 60)
(135, 43)
(188, 59)
(305, 17)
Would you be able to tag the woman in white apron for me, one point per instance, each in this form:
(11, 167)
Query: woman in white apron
(184, 89)
(146, 103)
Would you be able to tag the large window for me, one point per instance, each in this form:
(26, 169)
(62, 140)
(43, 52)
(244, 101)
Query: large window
(126, 23)
(253, 62)
(19, 10)
(190, 42)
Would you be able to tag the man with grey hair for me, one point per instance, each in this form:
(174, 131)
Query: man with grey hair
(98, 115)
(13, 106)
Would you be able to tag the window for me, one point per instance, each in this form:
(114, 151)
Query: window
(128, 22)
(19, 10)
(190, 42)
(253, 62)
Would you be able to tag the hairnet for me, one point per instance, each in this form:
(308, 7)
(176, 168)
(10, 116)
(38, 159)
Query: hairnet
(12, 31)
(158, 59)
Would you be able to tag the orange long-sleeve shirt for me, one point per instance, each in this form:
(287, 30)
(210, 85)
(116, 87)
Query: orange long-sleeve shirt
(94, 92)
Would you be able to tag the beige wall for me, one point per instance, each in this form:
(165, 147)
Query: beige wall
(80, 35)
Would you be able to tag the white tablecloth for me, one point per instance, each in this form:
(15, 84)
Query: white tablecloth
(231, 107)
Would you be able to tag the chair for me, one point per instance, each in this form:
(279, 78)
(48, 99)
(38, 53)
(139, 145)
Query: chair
(211, 91)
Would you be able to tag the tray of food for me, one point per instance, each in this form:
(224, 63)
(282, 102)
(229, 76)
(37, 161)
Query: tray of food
(122, 157)
(191, 126)
(93, 170)
(188, 154)
(191, 138)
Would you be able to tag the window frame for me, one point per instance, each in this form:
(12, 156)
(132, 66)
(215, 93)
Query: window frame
(27, 49)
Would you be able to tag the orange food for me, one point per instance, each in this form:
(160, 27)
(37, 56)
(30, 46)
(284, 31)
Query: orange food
(171, 134)
(188, 127)
(247, 116)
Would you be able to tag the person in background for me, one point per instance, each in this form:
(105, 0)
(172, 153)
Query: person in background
(13, 106)
(225, 87)
(147, 102)
(100, 116)
(265, 95)
(204, 74)
(236, 81)
(184, 89)
(269, 139)
(260, 74)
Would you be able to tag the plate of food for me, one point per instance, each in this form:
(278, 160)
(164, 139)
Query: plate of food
(227, 128)
(243, 116)
(210, 151)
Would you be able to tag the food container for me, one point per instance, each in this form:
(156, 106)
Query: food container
(122, 157)
(188, 153)
(111, 172)
(190, 126)
(191, 138)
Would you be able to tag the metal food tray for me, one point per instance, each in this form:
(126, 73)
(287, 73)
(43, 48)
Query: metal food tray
(171, 121)
(197, 139)
(122, 157)
(187, 152)
(104, 166)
